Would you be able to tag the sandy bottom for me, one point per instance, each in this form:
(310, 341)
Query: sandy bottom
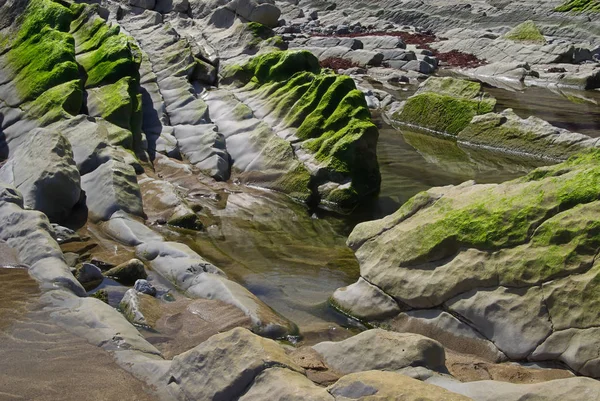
(40, 361)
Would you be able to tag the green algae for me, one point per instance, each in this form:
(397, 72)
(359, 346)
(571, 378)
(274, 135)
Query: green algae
(579, 6)
(58, 102)
(445, 105)
(527, 32)
(329, 114)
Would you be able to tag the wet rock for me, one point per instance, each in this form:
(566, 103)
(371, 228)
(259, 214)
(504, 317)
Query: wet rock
(128, 272)
(89, 275)
(262, 12)
(128, 230)
(147, 4)
(365, 301)
(110, 188)
(377, 385)
(379, 349)
(506, 131)
(419, 66)
(225, 365)
(144, 287)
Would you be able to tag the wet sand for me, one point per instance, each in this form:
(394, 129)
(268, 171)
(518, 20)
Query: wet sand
(40, 361)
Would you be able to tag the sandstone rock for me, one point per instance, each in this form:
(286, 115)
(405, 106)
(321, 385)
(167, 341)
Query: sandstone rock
(284, 384)
(222, 367)
(376, 385)
(444, 105)
(128, 272)
(128, 230)
(43, 170)
(448, 330)
(571, 389)
(365, 301)
(506, 131)
(378, 349)
(515, 320)
(110, 188)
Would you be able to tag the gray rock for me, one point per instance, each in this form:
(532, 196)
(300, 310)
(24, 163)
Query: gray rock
(515, 320)
(128, 230)
(365, 301)
(89, 275)
(144, 287)
(130, 306)
(146, 4)
(379, 349)
(419, 66)
(222, 368)
(110, 188)
(43, 170)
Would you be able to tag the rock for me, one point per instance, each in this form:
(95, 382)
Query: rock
(376, 385)
(205, 148)
(445, 105)
(515, 320)
(110, 188)
(144, 287)
(64, 235)
(365, 301)
(571, 389)
(419, 66)
(526, 32)
(128, 272)
(89, 275)
(147, 4)
(379, 349)
(131, 308)
(43, 170)
(234, 359)
(508, 132)
(128, 230)
(284, 384)
(491, 246)
(264, 13)
(452, 333)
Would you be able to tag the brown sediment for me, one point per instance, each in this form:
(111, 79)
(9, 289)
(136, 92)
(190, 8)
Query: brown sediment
(337, 63)
(41, 361)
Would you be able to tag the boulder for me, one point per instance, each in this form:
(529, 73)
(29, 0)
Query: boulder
(365, 301)
(43, 170)
(110, 188)
(89, 275)
(571, 389)
(280, 384)
(376, 385)
(263, 13)
(222, 368)
(445, 105)
(145, 287)
(533, 136)
(128, 272)
(379, 349)
(483, 251)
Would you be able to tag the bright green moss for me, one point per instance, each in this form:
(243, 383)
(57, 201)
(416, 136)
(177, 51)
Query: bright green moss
(579, 6)
(452, 87)
(259, 30)
(329, 113)
(41, 14)
(114, 59)
(35, 74)
(296, 183)
(61, 101)
(526, 32)
(117, 103)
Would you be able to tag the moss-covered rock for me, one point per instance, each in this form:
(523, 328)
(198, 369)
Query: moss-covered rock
(446, 245)
(507, 132)
(329, 116)
(117, 103)
(42, 31)
(579, 6)
(527, 32)
(58, 102)
(445, 105)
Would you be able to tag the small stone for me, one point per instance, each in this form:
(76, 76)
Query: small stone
(144, 287)
(128, 272)
(89, 275)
